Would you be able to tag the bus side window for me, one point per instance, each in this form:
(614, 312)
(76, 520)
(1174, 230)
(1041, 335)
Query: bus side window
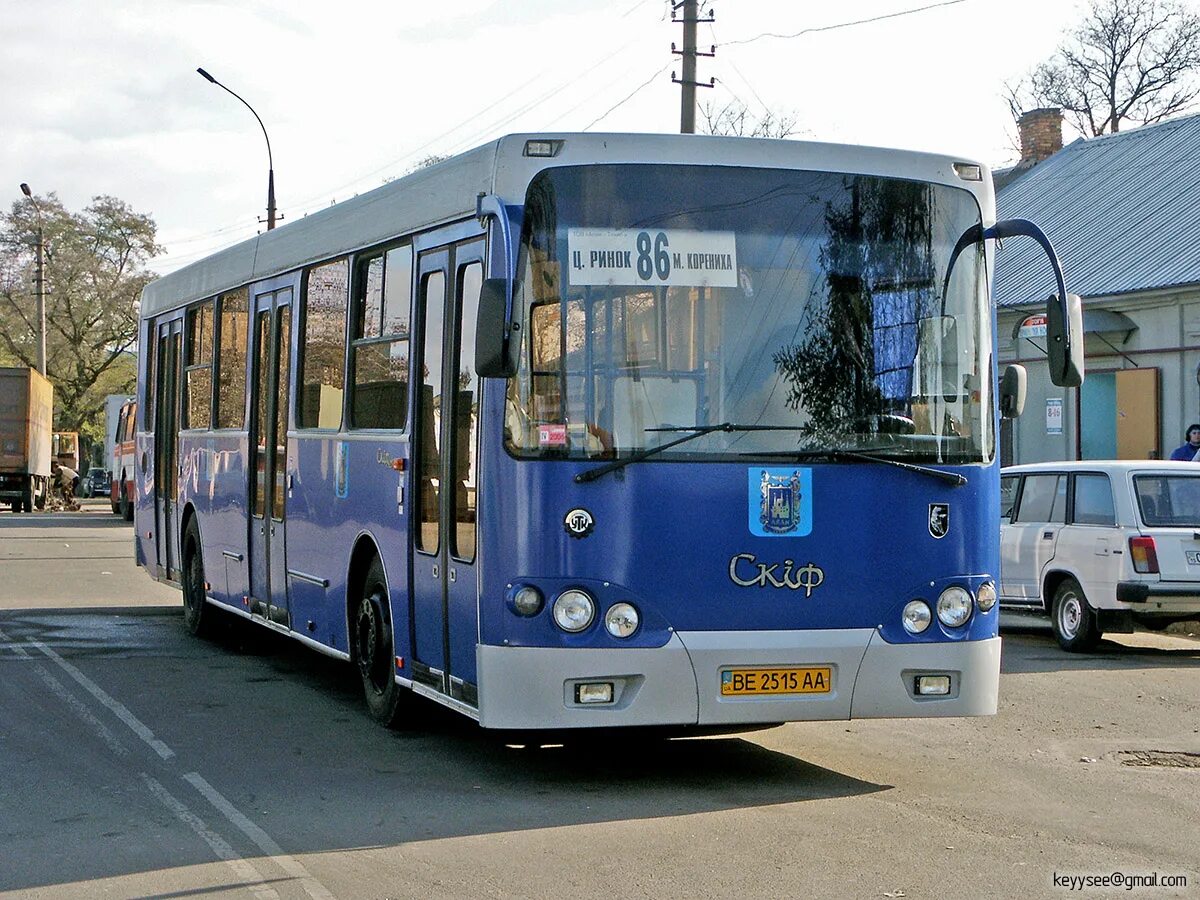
(231, 359)
(322, 343)
(382, 306)
(197, 404)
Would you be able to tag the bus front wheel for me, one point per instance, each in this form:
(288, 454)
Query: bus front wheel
(373, 648)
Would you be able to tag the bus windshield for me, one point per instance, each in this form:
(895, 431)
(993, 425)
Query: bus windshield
(812, 306)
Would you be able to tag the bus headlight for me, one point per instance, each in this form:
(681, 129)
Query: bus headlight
(954, 606)
(986, 596)
(574, 610)
(527, 601)
(916, 616)
(621, 620)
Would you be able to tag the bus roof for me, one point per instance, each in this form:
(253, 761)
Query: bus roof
(447, 191)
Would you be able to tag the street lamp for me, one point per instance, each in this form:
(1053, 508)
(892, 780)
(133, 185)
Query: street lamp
(270, 161)
(39, 282)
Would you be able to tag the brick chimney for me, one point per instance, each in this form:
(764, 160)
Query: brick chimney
(1041, 135)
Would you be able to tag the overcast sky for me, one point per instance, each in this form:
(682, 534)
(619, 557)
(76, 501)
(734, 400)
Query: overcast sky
(102, 97)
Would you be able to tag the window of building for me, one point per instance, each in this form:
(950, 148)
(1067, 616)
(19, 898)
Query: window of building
(380, 349)
(322, 373)
(231, 360)
(197, 385)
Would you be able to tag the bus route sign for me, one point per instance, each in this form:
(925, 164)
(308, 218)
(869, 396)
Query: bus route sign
(650, 256)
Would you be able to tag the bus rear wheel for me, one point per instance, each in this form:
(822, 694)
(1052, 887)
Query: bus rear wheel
(197, 614)
(373, 649)
(126, 503)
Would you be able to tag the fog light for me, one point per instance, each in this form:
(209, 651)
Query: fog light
(954, 606)
(933, 685)
(574, 610)
(916, 616)
(594, 692)
(986, 596)
(527, 601)
(621, 620)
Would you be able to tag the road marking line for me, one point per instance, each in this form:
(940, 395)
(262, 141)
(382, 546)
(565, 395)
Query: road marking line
(288, 863)
(117, 708)
(245, 870)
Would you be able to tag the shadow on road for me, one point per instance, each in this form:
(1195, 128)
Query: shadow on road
(1029, 646)
(282, 733)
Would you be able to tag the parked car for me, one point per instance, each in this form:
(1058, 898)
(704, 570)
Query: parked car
(1100, 545)
(95, 483)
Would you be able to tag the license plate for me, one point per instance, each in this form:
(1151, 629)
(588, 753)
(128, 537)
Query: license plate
(753, 682)
(1193, 557)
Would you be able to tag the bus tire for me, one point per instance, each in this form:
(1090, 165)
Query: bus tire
(197, 614)
(27, 500)
(374, 653)
(126, 503)
(112, 498)
(1075, 623)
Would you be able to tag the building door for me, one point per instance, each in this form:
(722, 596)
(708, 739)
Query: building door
(166, 448)
(270, 374)
(445, 596)
(1119, 415)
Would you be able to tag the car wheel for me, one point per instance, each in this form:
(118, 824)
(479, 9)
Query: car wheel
(1075, 622)
(373, 649)
(197, 614)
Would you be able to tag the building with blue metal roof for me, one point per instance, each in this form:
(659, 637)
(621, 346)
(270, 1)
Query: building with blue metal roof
(1123, 213)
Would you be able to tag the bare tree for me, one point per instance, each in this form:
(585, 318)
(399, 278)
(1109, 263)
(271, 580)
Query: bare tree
(1128, 60)
(735, 119)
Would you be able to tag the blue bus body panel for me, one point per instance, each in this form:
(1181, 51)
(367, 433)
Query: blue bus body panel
(671, 538)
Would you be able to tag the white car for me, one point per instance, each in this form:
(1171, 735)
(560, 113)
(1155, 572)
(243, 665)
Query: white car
(1101, 544)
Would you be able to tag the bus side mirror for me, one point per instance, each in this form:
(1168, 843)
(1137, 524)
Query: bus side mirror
(1064, 340)
(1012, 392)
(492, 359)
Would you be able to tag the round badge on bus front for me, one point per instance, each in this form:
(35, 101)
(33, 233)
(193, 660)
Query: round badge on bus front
(579, 523)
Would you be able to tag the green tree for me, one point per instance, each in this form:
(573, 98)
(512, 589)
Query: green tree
(95, 269)
(1128, 60)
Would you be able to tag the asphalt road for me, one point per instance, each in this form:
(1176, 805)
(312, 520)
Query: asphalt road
(136, 761)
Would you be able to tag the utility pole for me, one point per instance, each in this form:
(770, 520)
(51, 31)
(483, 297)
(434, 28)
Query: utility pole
(688, 84)
(39, 282)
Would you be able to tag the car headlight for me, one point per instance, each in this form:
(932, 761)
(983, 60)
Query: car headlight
(621, 620)
(954, 606)
(574, 610)
(916, 616)
(986, 596)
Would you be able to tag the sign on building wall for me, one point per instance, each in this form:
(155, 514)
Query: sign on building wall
(1032, 326)
(1054, 416)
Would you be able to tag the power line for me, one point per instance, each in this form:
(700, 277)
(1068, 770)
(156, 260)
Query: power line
(636, 91)
(803, 31)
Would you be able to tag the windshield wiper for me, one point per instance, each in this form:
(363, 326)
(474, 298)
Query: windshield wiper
(867, 455)
(695, 431)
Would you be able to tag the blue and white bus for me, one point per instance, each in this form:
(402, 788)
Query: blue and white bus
(584, 430)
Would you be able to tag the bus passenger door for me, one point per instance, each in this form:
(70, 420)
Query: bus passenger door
(270, 377)
(445, 596)
(166, 449)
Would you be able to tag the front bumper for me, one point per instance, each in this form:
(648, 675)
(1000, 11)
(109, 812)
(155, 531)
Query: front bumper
(679, 683)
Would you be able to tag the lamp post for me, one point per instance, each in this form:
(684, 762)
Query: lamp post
(39, 282)
(270, 161)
